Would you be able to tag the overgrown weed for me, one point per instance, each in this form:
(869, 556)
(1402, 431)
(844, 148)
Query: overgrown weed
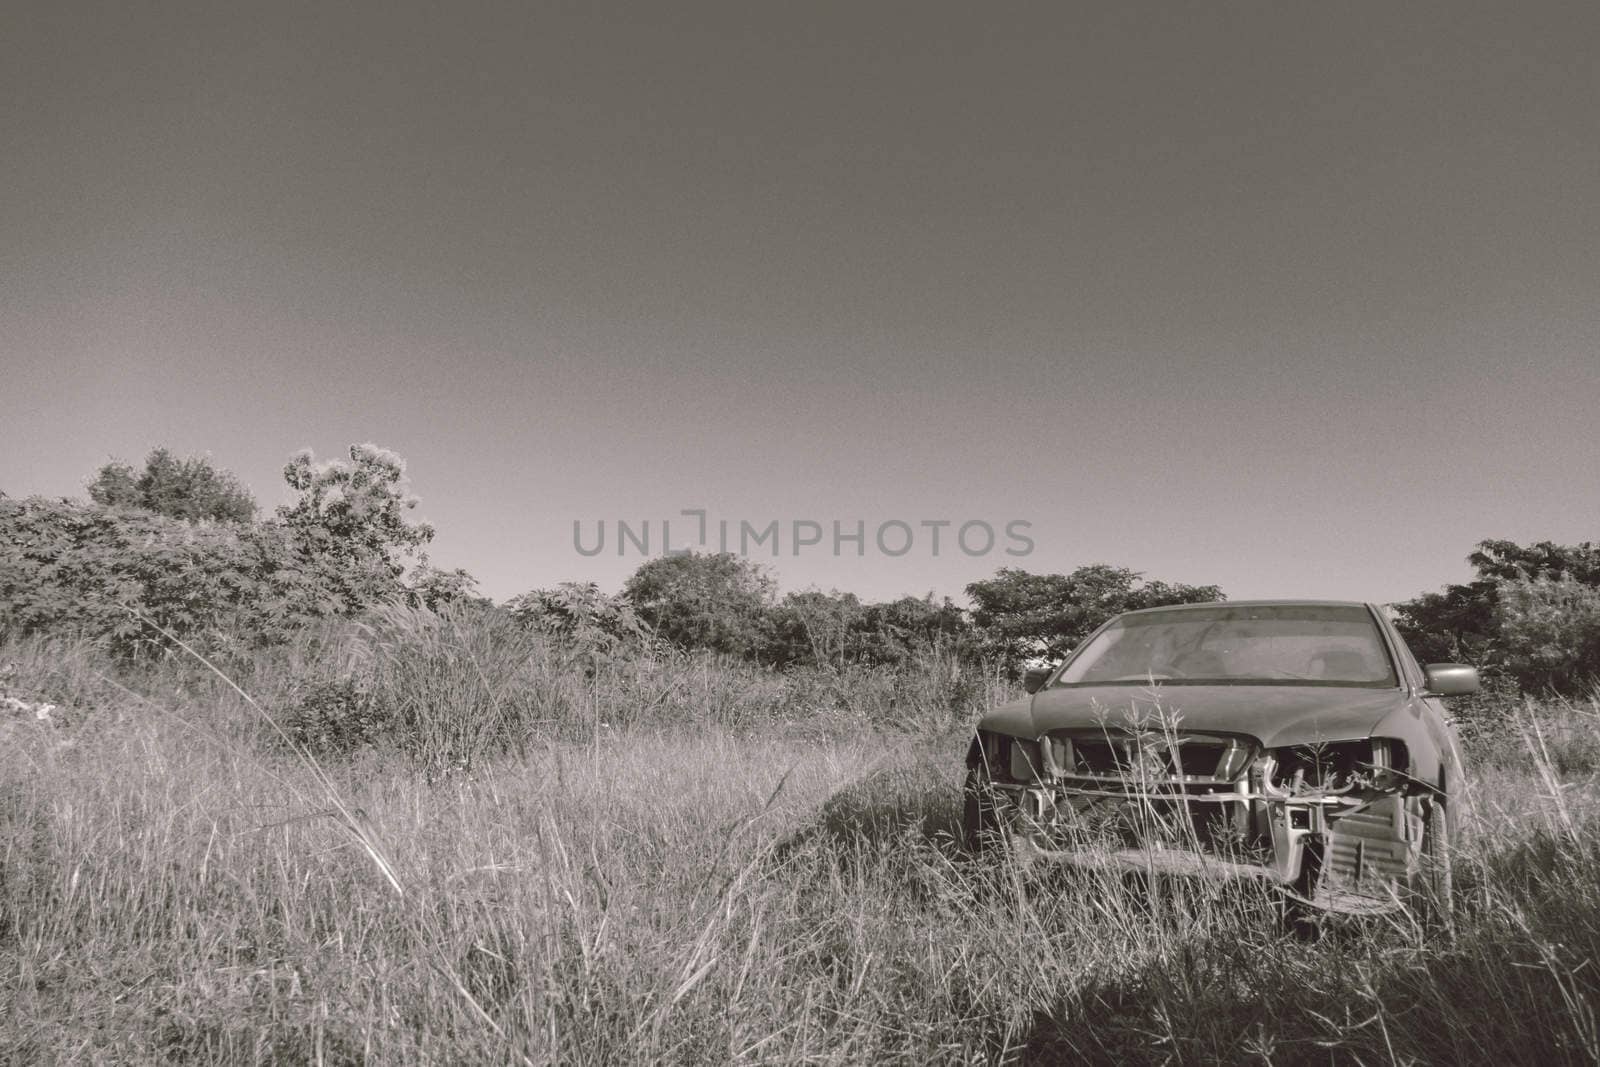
(635, 887)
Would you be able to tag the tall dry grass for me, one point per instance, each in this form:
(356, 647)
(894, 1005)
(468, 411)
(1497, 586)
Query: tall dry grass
(699, 889)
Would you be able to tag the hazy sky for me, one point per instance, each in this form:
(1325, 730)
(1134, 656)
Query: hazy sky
(1301, 299)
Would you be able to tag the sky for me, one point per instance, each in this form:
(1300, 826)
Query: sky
(1297, 299)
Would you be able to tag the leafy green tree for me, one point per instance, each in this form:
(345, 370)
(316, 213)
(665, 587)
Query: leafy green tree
(1016, 610)
(1459, 624)
(697, 601)
(191, 489)
(1505, 560)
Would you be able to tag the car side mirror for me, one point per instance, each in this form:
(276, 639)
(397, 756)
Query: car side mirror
(1033, 680)
(1450, 679)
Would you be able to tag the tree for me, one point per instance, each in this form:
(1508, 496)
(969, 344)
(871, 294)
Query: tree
(581, 617)
(67, 566)
(813, 628)
(433, 587)
(892, 631)
(350, 522)
(1015, 610)
(716, 602)
(190, 489)
(1508, 617)
(1550, 629)
(1458, 624)
(834, 629)
(1506, 560)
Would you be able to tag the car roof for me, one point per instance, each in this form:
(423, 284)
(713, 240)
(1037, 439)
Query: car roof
(1255, 604)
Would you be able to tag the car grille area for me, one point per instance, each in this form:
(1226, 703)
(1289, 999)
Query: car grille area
(1147, 760)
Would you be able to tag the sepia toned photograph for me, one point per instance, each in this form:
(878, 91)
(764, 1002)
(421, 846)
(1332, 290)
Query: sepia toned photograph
(799, 533)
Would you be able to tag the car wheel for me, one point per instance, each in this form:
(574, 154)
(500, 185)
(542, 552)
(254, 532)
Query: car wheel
(980, 814)
(1436, 879)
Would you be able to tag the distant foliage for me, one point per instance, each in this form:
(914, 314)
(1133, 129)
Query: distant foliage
(896, 631)
(813, 628)
(349, 523)
(1529, 613)
(1018, 614)
(1507, 560)
(191, 489)
(432, 587)
(68, 566)
(1459, 624)
(726, 604)
(712, 602)
(1550, 632)
(579, 617)
(151, 552)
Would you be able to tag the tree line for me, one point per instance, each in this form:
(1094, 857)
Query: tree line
(180, 544)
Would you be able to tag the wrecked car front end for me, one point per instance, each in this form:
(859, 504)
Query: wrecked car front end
(1294, 742)
(1339, 825)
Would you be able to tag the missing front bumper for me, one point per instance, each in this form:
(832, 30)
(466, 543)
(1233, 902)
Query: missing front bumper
(1351, 855)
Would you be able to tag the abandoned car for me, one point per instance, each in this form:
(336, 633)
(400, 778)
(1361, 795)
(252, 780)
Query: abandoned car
(1297, 742)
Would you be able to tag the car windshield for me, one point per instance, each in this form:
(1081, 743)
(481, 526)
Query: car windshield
(1279, 644)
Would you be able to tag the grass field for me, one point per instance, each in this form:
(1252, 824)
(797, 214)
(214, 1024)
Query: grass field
(175, 889)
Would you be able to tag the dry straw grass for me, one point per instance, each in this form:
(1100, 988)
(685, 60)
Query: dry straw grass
(702, 890)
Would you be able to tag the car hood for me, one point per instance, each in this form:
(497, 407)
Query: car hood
(1275, 715)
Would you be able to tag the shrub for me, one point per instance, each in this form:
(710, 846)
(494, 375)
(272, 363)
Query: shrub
(337, 717)
(457, 685)
(1526, 612)
(190, 489)
(71, 567)
(813, 628)
(711, 602)
(1550, 632)
(145, 557)
(583, 620)
(433, 587)
(349, 525)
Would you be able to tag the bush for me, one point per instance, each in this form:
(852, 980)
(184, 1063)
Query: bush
(189, 489)
(1531, 611)
(1550, 630)
(68, 567)
(580, 618)
(337, 717)
(147, 556)
(712, 602)
(818, 629)
(349, 525)
(458, 685)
